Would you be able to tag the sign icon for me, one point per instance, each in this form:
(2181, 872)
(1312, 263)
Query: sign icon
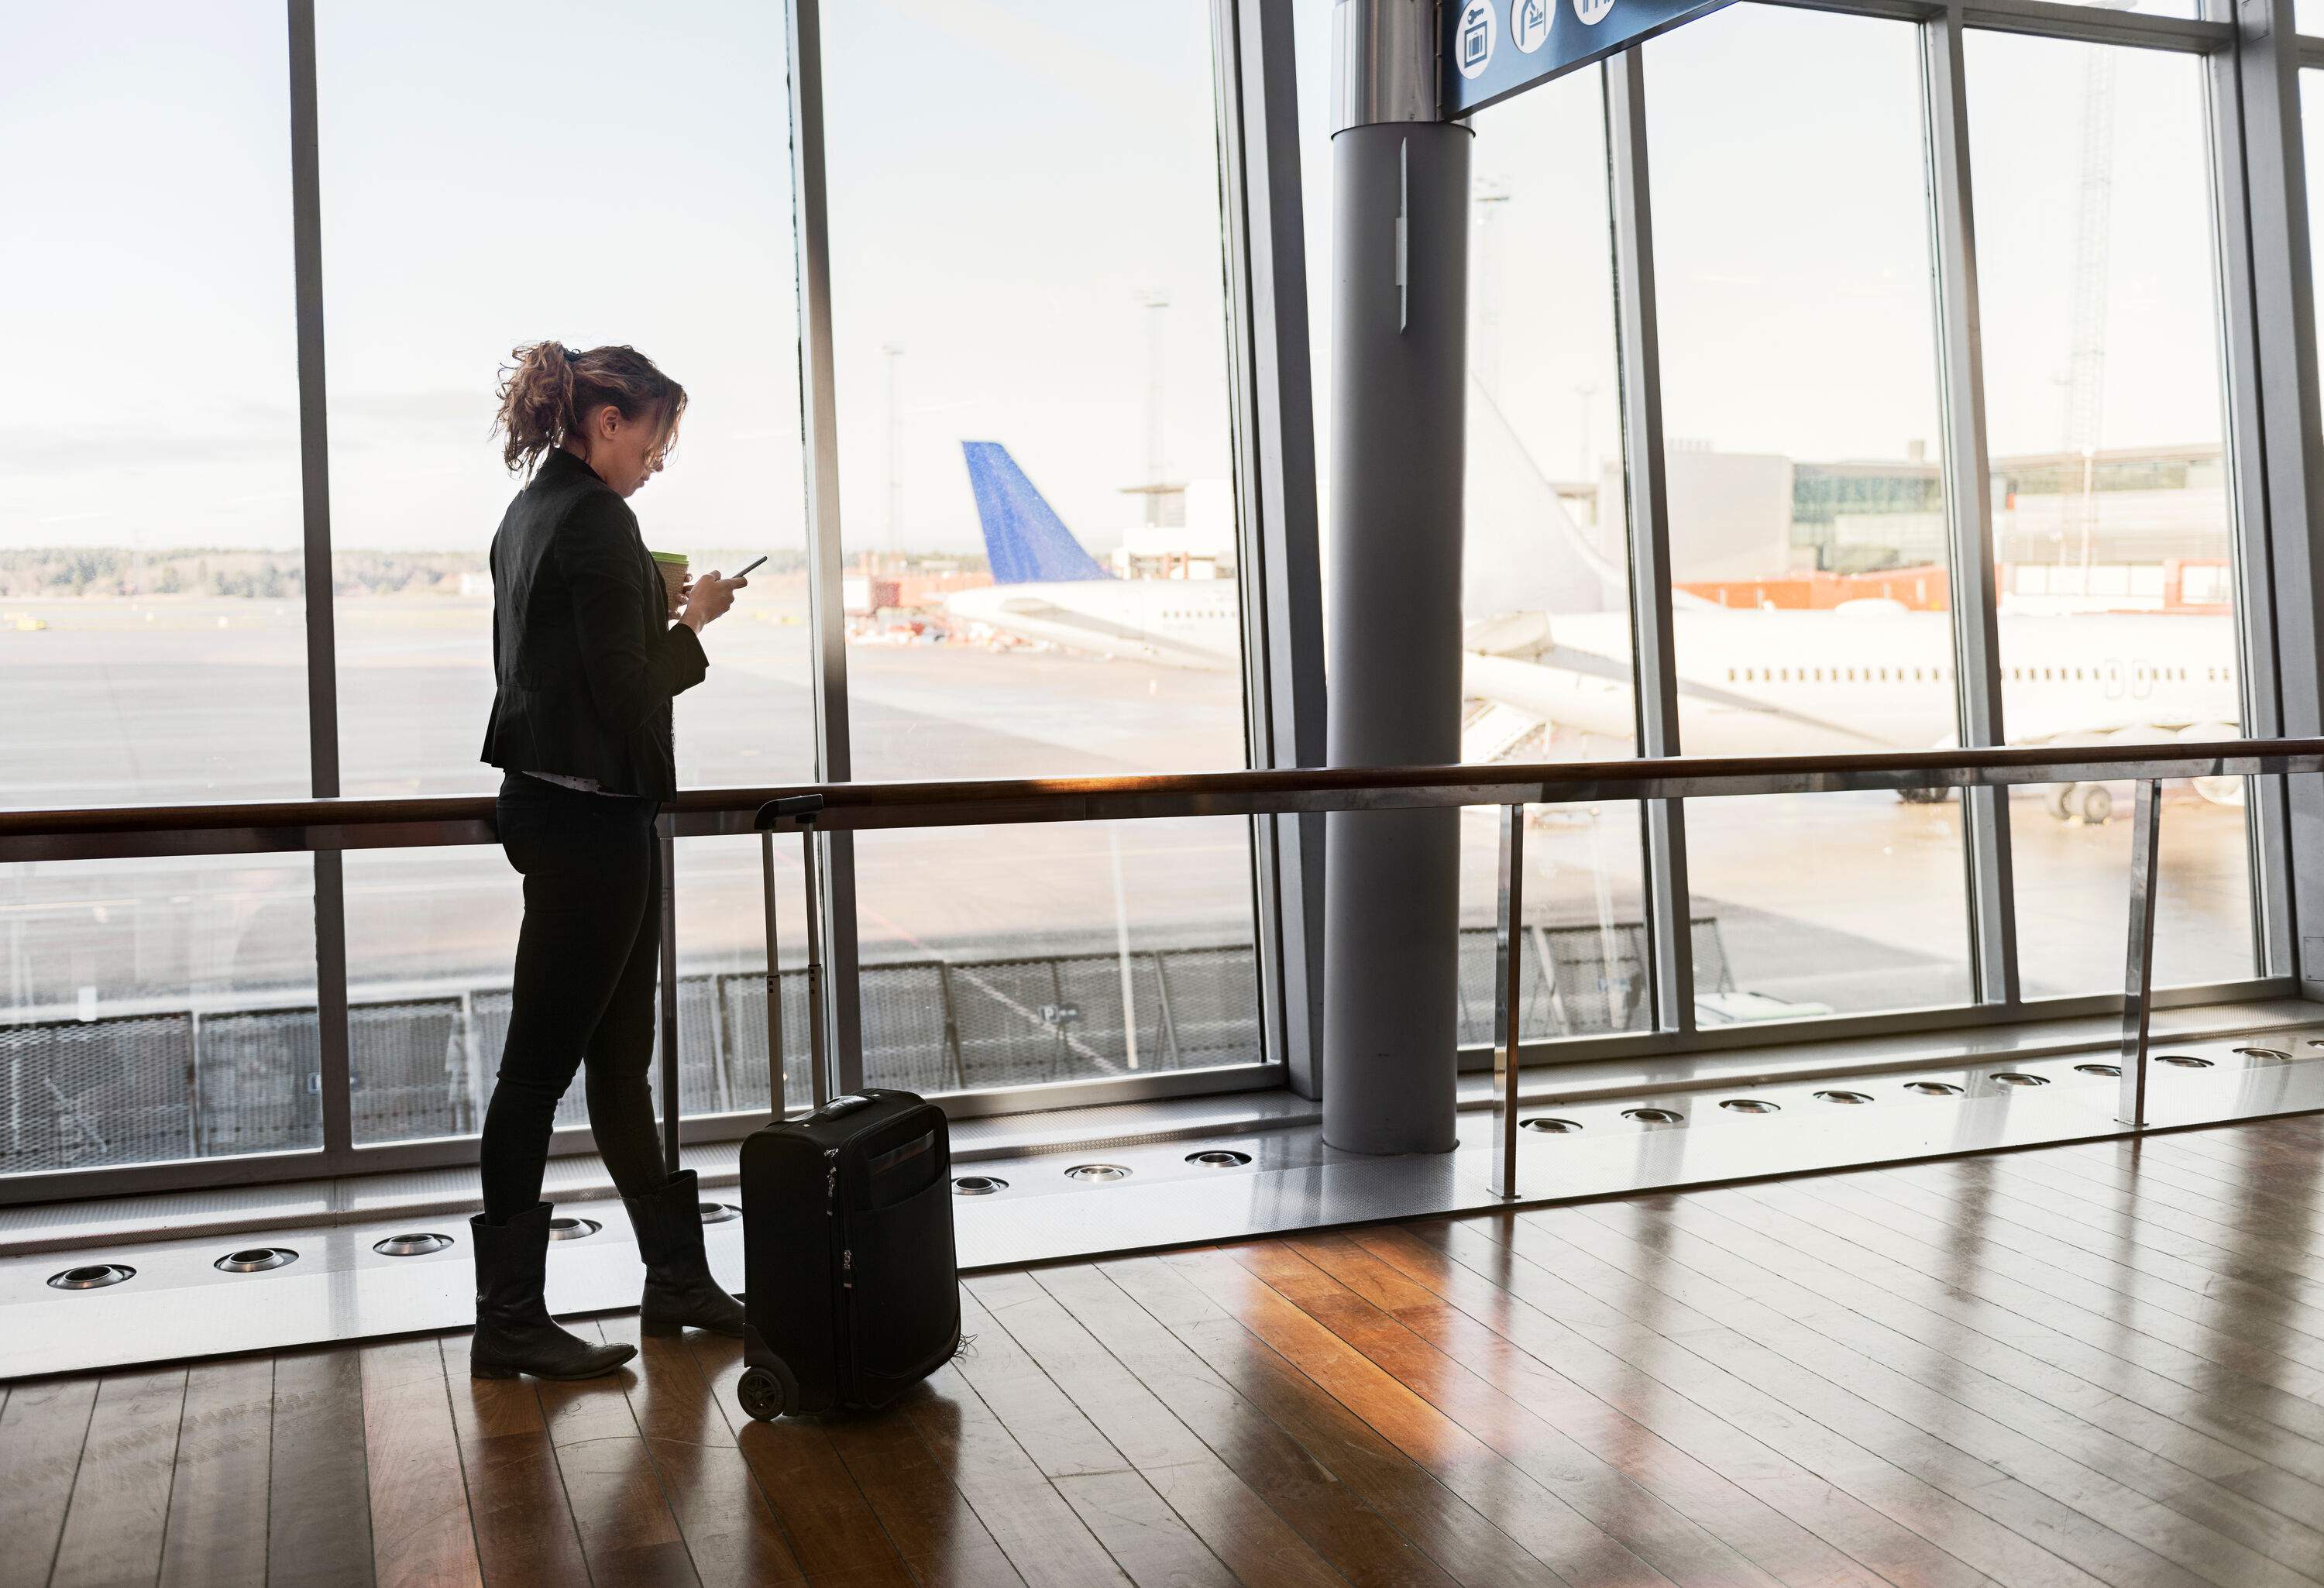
(1593, 12)
(1529, 23)
(1473, 38)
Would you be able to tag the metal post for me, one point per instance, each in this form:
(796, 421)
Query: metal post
(1275, 494)
(833, 905)
(1509, 1001)
(670, 1107)
(322, 649)
(1655, 666)
(2260, 187)
(1969, 504)
(779, 1101)
(2138, 985)
(1400, 335)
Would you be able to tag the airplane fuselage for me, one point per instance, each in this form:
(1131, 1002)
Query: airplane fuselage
(1786, 682)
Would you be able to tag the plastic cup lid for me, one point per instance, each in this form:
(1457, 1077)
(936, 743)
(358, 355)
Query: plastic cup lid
(667, 555)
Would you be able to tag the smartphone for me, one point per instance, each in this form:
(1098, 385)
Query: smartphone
(739, 574)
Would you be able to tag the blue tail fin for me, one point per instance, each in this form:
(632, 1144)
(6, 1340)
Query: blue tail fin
(1024, 539)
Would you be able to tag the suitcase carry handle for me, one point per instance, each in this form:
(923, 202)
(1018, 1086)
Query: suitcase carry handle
(796, 812)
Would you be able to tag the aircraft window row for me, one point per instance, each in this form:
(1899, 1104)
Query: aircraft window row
(1196, 615)
(1838, 675)
(2142, 673)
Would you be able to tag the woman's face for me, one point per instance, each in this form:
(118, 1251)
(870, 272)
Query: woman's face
(626, 453)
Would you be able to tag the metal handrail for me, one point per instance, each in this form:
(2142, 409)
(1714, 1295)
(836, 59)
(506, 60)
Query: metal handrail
(349, 823)
(298, 825)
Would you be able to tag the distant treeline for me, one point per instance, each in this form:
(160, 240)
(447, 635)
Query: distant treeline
(211, 570)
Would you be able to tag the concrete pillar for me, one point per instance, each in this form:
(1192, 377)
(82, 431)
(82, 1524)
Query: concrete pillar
(1400, 201)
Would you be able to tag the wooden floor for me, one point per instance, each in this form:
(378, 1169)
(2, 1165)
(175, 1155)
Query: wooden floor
(2074, 1366)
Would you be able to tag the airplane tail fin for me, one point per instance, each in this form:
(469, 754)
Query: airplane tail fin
(1024, 539)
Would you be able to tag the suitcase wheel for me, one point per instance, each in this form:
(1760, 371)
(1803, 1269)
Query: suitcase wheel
(760, 1394)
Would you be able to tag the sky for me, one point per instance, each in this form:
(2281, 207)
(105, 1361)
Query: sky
(1009, 180)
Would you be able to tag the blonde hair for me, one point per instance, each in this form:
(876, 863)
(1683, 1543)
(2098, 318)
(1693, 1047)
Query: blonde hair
(550, 390)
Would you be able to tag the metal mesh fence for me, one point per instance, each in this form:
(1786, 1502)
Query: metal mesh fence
(156, 1087)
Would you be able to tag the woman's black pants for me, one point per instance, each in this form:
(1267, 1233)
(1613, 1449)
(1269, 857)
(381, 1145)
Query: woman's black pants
(585, 962)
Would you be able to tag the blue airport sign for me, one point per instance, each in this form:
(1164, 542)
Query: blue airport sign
(1492, 48)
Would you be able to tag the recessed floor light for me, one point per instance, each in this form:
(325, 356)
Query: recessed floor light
(2100, 1069)
(1654, 1116)
(2269, 1054)
(1097, 1172)
(1839, 1097)
(255, 1259)
(95, 1276)
(1934, 1088)
(1751, 1106)
(2019, 1078)
(414, 1245)
(1218, 1158)
(720, 1212)
(2185, 1061)
(565, 1229)
(1549, 1127)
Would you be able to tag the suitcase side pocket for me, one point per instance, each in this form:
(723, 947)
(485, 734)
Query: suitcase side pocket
(906, 1291)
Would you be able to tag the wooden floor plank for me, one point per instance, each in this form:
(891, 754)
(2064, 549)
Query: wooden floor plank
(1547, 1341)
(628, 1533)
(525, 1534)
(1044, 1535)
(1457, 1536)
(929, 1521)
(1357, 1543)
(2094, 1364)
(1237, 1525)
(731, 1535)
(319, 1486)
(1144, 1535)
(2096, 1235)
(829, 1526)
(120, 1505)
(1993, 1467)
(2258, 1415)
(1884, 1292)
(421, 1536)
(1852, 1324)
(43, 1429)
(216, 1532)
(1686, 1350)
(1604, 1493)
(2086, 1353)
(1544, 1522)
(1450, 1358)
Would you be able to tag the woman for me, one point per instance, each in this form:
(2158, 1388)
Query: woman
(587, 662)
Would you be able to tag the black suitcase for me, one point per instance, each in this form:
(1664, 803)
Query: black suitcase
(852, 1287)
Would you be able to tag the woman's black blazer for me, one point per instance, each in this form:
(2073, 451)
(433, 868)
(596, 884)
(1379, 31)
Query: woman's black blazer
(585, 660)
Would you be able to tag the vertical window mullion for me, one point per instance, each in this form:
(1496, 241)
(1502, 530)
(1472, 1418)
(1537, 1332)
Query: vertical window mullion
(1968, 500)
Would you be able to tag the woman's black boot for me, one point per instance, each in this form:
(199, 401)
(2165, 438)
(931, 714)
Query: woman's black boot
(515, 1333)
(680, 1293)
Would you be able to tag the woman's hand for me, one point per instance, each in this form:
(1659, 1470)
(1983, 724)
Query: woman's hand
(708, 597)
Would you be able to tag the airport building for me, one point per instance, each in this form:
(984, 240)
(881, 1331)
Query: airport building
(1579, 743)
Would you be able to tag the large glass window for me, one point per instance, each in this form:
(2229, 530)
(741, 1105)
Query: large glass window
(450, 238)
(1030, 339)
(1546, 564)
(153, 634)
(2112, 533)
(152, 630)
(157, 1010)
(1807, 523)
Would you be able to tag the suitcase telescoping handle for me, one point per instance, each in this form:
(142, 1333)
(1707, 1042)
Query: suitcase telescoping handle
(796, 812)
